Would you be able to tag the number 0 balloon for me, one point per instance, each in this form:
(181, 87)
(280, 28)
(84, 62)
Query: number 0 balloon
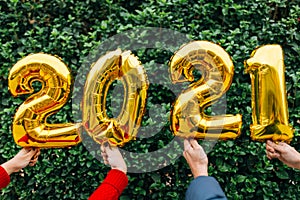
(125, 67)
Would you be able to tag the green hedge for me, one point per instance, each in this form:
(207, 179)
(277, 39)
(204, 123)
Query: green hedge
(71, 29)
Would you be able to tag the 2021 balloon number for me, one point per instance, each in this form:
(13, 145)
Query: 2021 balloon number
(188, 119)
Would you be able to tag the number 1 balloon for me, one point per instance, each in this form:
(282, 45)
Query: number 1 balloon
(269, 104)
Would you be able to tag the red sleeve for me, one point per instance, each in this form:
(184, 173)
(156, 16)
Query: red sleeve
(4, 178)
(112, 186)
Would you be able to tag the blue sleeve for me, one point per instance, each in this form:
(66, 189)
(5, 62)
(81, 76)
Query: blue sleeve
(205, 188)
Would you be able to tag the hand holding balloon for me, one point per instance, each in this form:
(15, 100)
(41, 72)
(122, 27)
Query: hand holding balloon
(112, 156)
(195, 157)
(27, 156)
(284, 152)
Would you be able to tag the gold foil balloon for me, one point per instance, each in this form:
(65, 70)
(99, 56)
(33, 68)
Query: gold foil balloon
(269, 104)
(113, 66)
(30, 128)
(187, 117)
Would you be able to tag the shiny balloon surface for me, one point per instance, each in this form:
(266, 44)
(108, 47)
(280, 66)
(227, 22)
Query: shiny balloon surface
(269, 102)
(188, 118)
(115, 65)
(30, 127)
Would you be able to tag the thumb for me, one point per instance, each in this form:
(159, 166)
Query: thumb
(187, 145)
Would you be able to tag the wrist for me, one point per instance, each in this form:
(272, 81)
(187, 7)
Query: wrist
(200, 171)
(298, 162)
(8, 167)
(122, 169)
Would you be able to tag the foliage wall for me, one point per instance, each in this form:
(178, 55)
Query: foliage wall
(70, 29)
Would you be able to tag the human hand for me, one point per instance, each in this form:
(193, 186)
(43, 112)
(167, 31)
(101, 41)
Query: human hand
(26, 156)
(195, 157)
(113, 157)
(284, 152)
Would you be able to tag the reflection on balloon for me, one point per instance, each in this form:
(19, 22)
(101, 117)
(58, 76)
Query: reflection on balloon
(269, 104)
(115, 65)
(187, 117)
(30, 128)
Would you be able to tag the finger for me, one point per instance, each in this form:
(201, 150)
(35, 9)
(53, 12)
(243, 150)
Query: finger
(111, 151)
(105, 160)
(283, 144)
(277, 147)
(106, 146)
(273, 155)
(269, 157)
(37, 153)
(24, 151)
(107, 151)
(102, 148)
(32, 163)
(184, 154)
(270, 149)
(31, 153)
(34, 160)
(35, 156)
(104, 155)
(187, 145)
(27, 149)
(268, 153)
(187, 156)
(195, 144)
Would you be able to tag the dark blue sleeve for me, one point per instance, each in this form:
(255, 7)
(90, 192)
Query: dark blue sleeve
(204, 188)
